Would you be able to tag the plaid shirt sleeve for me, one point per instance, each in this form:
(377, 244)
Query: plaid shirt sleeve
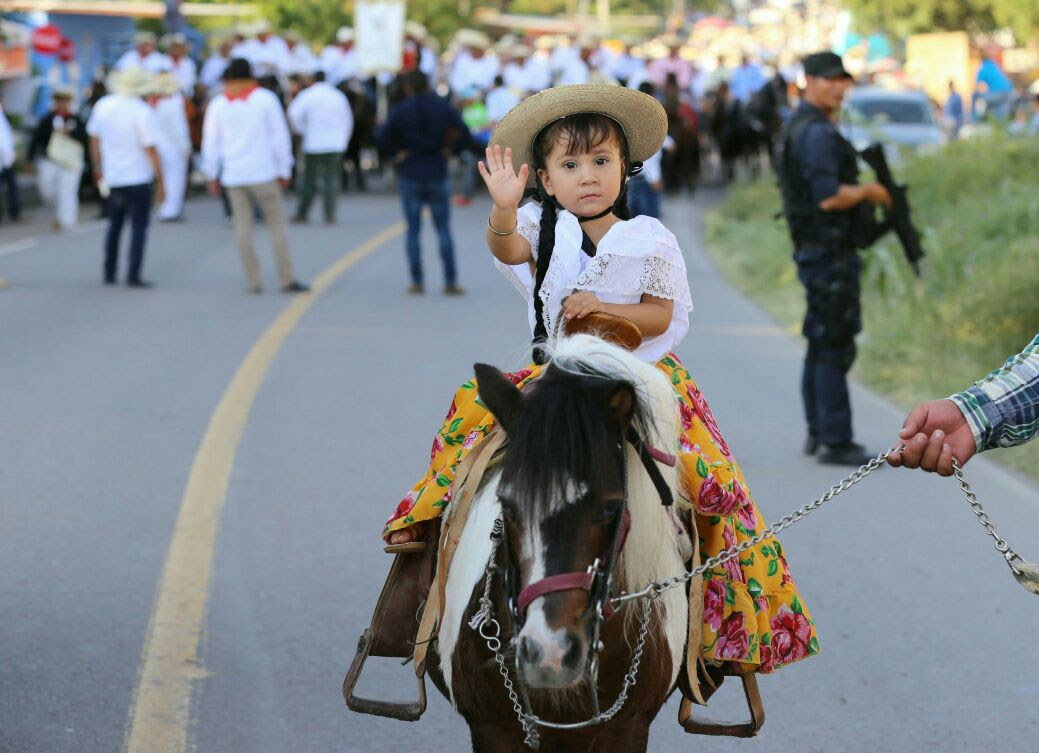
(1003, 408)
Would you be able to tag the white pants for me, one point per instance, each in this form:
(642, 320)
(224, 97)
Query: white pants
(175, 181)
(60, 188)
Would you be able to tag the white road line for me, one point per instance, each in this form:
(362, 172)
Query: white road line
(15, 246)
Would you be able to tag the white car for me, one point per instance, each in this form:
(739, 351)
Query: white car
(903, 121)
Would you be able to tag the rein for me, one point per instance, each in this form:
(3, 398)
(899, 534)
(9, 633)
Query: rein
(484, 622)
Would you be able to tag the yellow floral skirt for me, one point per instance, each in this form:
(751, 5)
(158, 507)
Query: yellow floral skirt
(753, 614)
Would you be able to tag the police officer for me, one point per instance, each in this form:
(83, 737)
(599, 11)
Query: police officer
(826, 209)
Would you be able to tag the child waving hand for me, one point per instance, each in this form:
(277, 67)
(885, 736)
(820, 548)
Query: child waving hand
(572, 251)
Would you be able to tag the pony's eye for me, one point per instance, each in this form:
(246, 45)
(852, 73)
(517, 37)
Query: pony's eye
(610, 511)
(508, 509)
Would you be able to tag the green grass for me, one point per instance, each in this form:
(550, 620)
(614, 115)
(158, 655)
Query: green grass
(976, 204)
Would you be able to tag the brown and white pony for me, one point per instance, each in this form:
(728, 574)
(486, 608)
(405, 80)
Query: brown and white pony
(567, 475)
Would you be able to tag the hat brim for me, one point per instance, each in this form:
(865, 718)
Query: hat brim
(835, 72)
(641, 118)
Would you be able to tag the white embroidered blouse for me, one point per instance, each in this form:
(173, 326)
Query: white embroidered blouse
(635, 256)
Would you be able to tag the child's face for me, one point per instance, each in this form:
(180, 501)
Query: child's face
(586, 183)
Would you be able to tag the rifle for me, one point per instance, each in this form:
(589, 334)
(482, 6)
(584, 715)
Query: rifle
(897, 218)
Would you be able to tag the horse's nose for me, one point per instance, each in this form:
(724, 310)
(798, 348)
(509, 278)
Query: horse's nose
(551, 661)
(530, 652)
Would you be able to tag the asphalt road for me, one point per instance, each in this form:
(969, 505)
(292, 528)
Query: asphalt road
(122, 409)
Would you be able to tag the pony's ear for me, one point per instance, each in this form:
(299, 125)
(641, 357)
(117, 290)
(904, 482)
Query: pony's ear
(501, 396)
(622, 404)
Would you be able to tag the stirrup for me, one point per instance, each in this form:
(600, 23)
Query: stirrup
(406, 712)
(704, 726)
(407, 547)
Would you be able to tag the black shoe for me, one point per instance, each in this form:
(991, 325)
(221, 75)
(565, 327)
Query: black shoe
(137, 282)
(811, 445)
(299, 220)
(849, 453)
(254, 290)
(109, 281)
(295, 287)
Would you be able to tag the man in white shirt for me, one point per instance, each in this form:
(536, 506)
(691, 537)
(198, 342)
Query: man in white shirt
(474, 65)
(181, 64)
(122, 130)
(143, 55)
(268, 54)
(658, 70)
(321, 114)
(213, 69)
(173, 142)
(246, 147)
(339, 60)
(302, 61)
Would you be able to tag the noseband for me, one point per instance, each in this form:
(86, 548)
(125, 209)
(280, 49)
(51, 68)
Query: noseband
(597, 579)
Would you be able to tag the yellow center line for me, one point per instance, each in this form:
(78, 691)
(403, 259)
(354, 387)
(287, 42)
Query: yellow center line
(160, 711)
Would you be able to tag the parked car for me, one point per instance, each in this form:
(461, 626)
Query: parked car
(903, 121)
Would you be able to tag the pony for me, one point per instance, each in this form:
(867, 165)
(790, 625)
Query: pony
(744, 131)
(572, 491)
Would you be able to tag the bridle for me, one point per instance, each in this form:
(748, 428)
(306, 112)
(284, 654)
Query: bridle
(598, 580)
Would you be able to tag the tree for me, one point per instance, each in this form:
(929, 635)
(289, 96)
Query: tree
(904, 17)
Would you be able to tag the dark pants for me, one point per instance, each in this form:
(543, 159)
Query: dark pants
(832, 319)
(9, 183)
(437, 194)
(642, 199)
(135, 201)
(327, 166)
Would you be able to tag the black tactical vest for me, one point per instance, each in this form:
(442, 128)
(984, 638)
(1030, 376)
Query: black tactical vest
(808, 224)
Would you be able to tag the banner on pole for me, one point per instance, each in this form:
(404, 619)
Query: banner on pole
(379, 26)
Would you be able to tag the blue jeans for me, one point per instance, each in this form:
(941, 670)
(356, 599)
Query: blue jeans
(642, 199)
(135, 201)
(9, 182)
(437, 194)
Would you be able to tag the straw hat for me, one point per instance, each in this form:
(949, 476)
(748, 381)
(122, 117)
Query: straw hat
(174, 38)
(344, 34)
(262, 27)
(416, 30)
(63, 91)
(131, 82)
(640, 116)
(164, 85)
(472, 38)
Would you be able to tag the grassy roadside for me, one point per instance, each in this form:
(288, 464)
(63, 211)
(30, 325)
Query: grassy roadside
(977, 206)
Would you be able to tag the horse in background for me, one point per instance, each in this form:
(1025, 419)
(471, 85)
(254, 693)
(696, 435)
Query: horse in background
(745, 132)
(570, 486)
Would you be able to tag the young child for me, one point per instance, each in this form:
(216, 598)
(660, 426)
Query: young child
(571, 253)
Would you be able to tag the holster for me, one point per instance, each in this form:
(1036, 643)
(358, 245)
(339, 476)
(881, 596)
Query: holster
(395, 623)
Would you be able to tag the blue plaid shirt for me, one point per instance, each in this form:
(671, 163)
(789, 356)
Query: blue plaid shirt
(1003, 408)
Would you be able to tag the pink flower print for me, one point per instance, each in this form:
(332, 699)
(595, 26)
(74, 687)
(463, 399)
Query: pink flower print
(768, 659)
(518, 376)
(707, 418)
(686, 413)
(732, 566)
(451, 412)
(471, 439)
(790, 635)
(405, 505)
(732, 638)
(438, 447)
(746, 513)
(715, 499)
(784, 568)
(686, 445)
(714, 603)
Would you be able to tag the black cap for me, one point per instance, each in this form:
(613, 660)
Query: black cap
(825, 65)
(238, 68)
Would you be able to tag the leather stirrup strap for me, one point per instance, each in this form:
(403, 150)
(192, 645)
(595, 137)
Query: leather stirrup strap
(709, 727)
(472, 467)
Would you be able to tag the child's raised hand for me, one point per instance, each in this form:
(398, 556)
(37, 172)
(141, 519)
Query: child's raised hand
(579, 304)
(503, 182)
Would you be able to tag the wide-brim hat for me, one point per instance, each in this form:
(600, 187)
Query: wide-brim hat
(640, 116)
(132, 82)
(472, 38)
(164, 85)
(238, 69)
(344, 34)
(415, 29)
(63, 91)
(825, 65)
(144, 37)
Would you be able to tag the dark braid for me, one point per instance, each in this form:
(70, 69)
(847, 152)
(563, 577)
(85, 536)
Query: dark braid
(546, 242)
